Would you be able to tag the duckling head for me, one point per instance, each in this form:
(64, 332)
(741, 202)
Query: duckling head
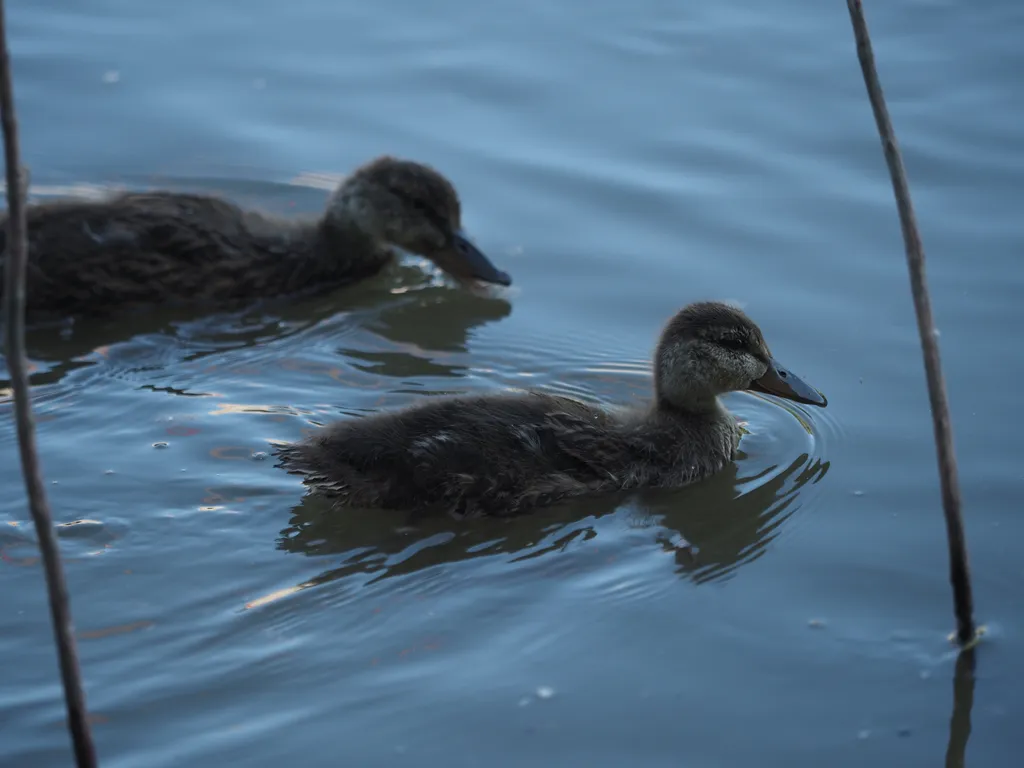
(708, 349)
(412, 206)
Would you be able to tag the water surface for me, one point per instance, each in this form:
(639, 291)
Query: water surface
(619, 160)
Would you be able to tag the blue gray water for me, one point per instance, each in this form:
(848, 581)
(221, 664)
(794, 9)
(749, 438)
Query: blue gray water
(620, 160)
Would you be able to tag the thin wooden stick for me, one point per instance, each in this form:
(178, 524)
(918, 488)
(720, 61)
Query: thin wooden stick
(14, 301)
(959, 570)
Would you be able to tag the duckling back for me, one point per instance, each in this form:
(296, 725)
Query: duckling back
(504, 455)
(139, 249)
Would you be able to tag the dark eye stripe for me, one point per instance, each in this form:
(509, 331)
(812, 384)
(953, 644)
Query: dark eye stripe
(739, 346)
(429, 212)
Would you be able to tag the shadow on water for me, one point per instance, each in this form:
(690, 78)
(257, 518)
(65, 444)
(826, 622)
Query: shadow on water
(398, 306)
(713, 527)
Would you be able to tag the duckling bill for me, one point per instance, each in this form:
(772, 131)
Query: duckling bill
(505, 454)
(168, 248)
(779, 380)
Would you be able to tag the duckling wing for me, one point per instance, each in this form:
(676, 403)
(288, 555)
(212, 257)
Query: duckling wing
(511, 440)
(136, 247)
(471, 455)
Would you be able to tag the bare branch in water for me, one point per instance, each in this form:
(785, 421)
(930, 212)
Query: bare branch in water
(959, 570)
(14, 302)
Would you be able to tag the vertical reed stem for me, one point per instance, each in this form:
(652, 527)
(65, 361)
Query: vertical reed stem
(14, 302)
(959, 571)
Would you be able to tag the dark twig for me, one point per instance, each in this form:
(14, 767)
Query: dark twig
(959, 571)
(14, 302)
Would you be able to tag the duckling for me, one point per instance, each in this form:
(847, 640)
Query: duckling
(168, 248)
(505, 454)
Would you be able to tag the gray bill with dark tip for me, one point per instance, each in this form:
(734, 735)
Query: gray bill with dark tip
(477, 264)
(780, 381)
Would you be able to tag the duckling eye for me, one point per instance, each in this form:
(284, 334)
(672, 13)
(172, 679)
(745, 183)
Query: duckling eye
(733, 344)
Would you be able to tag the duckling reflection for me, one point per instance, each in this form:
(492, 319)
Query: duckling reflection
(435, 319)
(712, 529)
(142, 249)
(506, 454)
(432, 320)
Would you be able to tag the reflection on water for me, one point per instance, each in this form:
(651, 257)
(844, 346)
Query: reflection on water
(713, 527)
(419, 327)
(78, 540)
(963, 703)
